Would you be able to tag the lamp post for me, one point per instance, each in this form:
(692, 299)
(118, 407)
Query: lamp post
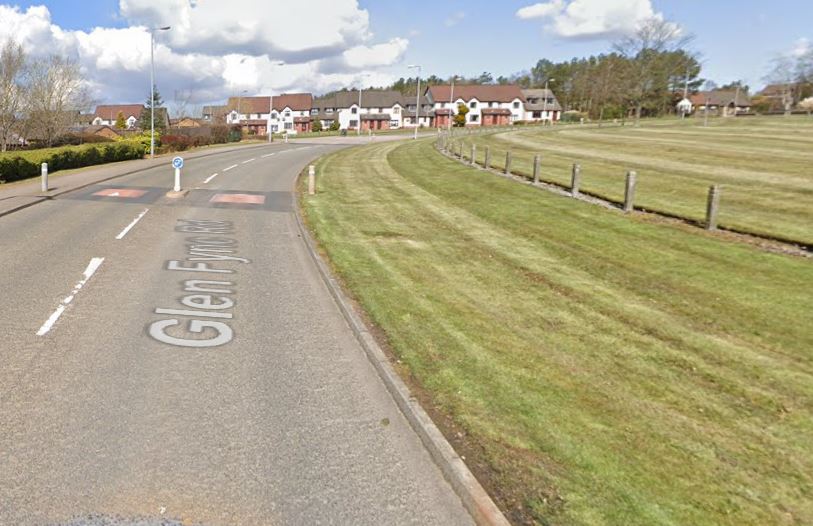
(240, 100)
(271, 108)
(152, 87)
(358, 128)
(451, 103)
(417, 98)
(546, 97)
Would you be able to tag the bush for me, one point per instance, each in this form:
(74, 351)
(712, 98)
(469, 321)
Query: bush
(24, 164)
(220, 134)
(177, 143)
(573, 116)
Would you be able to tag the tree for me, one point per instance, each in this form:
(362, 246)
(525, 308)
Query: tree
(13, 71)
(317, 125)
(120, 122)
(160, 115)
(645, 50)
(784, 74)
(57, 94)
(807, 105)
(460, 118)
(334, 126)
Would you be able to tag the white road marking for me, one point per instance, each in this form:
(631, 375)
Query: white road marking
(92, 267)
(209, 178)
(131, 225)
(229, 168)
(249, 160)
(267, 155)
(114, 194)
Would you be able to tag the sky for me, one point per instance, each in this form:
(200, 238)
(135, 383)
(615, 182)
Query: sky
(219, 48)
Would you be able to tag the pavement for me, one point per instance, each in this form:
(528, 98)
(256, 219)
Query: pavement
(180, 360)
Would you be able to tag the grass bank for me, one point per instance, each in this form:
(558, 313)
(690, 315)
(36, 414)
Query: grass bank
(762, 163)
(594, 368)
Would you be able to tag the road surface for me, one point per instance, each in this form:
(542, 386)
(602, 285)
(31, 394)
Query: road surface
(180, 360)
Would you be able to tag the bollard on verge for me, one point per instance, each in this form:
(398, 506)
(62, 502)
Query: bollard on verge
(712, 205)
(44, 177)
(508, 162)
(311, 180)
(536, 168)
(629, 192)
(575, 180)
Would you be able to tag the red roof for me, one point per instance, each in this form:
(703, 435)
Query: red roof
(110, 112)
(295, 101)
(250, 104)
(481, 92)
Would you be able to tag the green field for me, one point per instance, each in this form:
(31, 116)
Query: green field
(595, 368)
(764, 164)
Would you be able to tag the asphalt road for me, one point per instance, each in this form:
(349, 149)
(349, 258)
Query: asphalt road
(168, 361)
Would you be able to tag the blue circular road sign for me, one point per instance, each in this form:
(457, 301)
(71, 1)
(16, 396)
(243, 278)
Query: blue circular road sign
(177, 162)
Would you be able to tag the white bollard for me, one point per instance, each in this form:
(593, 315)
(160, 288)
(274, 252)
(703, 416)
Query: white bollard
(44, 177)
(311, 180)
(177, 187)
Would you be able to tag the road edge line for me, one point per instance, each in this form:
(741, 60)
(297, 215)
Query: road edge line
(474, 497)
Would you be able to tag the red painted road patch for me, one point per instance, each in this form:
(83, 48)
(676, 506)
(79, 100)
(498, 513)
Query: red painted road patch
(127, 193)
(242, 199)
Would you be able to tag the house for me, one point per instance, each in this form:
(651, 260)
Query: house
(100, 130)
(541, 105)
(185, 122)
(780, 96)
(489, 105)
(291, 113)
(725, 103)
(106, 115)
(215, 114)
(379, 110)
(426, 117)
(252, 113)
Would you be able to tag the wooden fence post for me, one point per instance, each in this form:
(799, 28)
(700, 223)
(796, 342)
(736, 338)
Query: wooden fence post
(575, 180)
(460, 150)
(712, 205)
(629, 192)
(487, 160)
(473, 153)
(508, 162)
(536, 168)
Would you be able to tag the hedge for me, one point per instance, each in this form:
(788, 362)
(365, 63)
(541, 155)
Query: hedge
(24, 164)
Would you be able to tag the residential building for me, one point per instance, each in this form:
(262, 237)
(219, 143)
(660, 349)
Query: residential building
(106, 115)
(291, 113)
(380, 110)
(489, 105)
(252, 113)
(541, 105)
(725, 103)
(215, 114)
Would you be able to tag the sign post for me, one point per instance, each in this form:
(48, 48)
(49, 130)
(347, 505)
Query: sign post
(177, 163)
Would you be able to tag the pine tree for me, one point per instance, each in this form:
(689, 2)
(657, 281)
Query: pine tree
(120, 123)
(160, 112)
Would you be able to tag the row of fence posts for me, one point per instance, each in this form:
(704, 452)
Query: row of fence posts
(712, 203)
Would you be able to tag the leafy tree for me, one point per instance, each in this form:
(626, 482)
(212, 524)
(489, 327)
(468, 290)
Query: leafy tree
(316, 125)
(120, 123)
(334, 126)
(13, 70)
(460, 118)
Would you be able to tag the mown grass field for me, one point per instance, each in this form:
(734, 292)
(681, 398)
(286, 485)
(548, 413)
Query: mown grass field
(764, 165)
(602, 369)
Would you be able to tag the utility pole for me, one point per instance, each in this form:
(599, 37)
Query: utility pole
(451, 103)
(358, 129)
(152, 87)
(417, 99)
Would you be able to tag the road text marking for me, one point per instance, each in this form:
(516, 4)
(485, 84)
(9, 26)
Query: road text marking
(131, 225)
(229, 168)
(209, 178)
(129, 193)
(92, 267)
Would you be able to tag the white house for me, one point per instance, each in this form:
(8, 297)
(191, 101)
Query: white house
(106, 115)
(291, 113)
(379, 110)
(489, 105)
(541, 105)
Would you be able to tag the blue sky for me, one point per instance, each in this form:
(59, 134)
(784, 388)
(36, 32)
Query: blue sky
(737, 39)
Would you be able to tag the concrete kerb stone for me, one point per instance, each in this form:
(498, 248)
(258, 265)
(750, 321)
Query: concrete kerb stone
(475, 499)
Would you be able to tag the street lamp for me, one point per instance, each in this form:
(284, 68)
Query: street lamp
(451, 102)
(271, 101)
(417, 98)
(239, 101)
(546, 98)
(358, 128)
(152, 87)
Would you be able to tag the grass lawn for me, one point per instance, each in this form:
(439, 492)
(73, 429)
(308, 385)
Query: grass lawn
(602, 369)
(763, 164)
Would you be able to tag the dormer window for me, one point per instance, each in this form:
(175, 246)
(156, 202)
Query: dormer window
(354, 110)
(473, 104)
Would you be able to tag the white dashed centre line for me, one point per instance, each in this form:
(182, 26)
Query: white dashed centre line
(267, 155)
(131, 225)
(92, 267)
(249, 160)
(209, 178)
(229, 168)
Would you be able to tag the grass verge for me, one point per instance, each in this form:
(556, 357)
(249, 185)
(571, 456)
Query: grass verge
(605, 370)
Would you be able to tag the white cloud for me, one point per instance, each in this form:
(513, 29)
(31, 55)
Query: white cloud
(215, 49)
(801, 47)
(454, 19)
(590, 18)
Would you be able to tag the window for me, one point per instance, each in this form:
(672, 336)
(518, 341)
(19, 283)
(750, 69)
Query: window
(328, 110)
(258, 116)
(516, 105)
(396, 110)
(287, 113)
(354, 123)
(289, 125)
(411, 107)
(274, 115)
(354, 110)
(537, 115)
(474, 118)
(473, 104)
(393, 124)
(274, 128)
(315, 111)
